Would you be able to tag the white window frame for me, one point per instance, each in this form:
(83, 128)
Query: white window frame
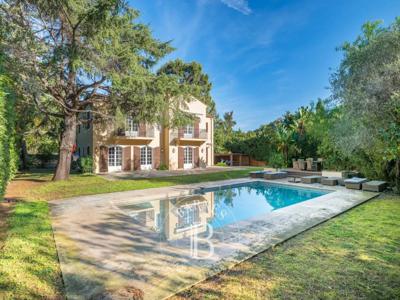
(114, 158)
(188, 217)
(188, 131)
(132, 128)
(188, 157)
(146, 158)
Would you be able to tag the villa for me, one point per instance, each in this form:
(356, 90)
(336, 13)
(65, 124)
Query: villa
(140, 146)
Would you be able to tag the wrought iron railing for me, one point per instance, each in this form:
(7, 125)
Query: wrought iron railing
(145, 131)
(202, 134)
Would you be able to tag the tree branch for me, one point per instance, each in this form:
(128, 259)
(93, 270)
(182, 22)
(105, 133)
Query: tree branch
(93, 85)
(44, 110)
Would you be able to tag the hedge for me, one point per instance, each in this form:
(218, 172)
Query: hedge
(8, 153)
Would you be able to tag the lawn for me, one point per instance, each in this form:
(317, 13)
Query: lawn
(353, 256)
(92, 184)
(356, 255)
(29, 265)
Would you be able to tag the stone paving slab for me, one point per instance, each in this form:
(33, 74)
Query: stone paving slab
(105, 252)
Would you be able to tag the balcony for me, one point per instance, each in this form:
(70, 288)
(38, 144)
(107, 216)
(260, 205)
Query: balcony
(142, 136)
(194, 138)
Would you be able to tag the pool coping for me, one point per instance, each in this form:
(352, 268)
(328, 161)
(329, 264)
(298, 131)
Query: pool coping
(296, 219)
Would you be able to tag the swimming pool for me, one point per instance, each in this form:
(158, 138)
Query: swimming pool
(213, 208)
(162, 240)
(238, 202)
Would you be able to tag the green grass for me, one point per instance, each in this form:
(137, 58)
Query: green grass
(28, 262)
(354, 256)
(93, 184)
(29, 267)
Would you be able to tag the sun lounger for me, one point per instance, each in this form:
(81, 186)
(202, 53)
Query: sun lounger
(302, 164)
(311, 179)
(374, 186)
(332, 181)
(354, 183)
(257, 174)
(275, 175)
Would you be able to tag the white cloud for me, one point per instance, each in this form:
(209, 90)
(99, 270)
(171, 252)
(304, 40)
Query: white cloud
(239, 5)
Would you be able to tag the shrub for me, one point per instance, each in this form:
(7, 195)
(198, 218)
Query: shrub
(8, 153)
(163, 167)
(221, 164)
(276, 160)
(85, 164)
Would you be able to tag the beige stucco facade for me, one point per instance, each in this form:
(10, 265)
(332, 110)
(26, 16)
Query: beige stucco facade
(149, 146)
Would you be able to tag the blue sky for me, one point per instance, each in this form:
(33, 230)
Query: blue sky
(264, 57)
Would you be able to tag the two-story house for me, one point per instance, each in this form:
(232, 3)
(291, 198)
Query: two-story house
(140, 146)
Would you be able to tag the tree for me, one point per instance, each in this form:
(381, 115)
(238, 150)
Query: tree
(193, 80)
(223, 133)
(367, 85)
(229, 122)
(179, 81)
(220, 137)
(284, 138)
(75, 57)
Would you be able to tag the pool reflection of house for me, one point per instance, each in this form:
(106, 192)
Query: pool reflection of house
(177, 218)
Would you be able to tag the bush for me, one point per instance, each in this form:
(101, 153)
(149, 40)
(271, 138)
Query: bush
(163, 167)
(8, 153)
(85, 164)
(276, 160)
(221, 164)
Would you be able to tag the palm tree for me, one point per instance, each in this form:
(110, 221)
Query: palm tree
(229, 122)
(284, 138)
(299, 123)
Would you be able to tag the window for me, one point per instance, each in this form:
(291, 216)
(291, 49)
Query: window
(114, 156)
(88, 150)
(131, 126)
(79, 128)
(188, 131)
(188, 216)
(188, 156)
(145, 156)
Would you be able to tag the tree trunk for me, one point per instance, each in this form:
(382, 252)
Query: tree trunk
(68, 138)
(24, 155)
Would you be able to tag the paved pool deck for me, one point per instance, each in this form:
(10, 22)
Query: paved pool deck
(106, 253)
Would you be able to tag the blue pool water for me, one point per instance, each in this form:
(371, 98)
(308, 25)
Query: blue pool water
(243, 201)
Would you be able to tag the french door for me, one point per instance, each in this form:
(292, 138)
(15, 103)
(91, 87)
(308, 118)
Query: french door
(188, 131)
(146, 158)
(132, 128)
(188, 158)
(114, 158)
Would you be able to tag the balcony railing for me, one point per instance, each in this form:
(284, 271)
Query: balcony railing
(143, 132)
(201, 134)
